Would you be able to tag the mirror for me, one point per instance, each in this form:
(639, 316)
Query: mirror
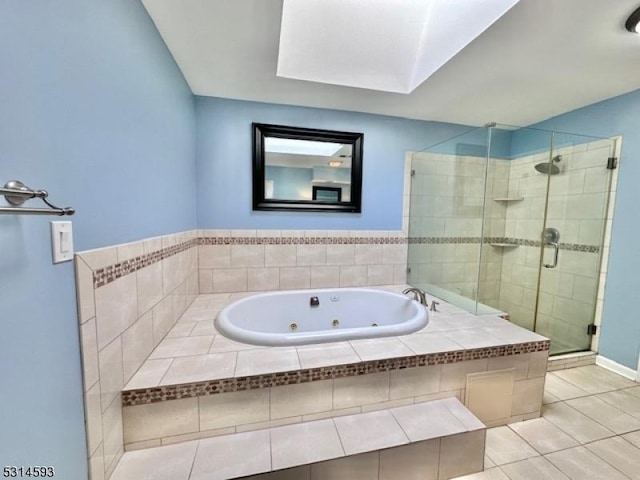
(306, 169)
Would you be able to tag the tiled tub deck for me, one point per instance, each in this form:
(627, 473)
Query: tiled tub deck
(198, 384)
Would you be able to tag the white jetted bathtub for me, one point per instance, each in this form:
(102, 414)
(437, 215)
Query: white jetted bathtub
(299, 317)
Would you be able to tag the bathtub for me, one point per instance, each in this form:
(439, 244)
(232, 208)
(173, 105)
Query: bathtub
(299, 317)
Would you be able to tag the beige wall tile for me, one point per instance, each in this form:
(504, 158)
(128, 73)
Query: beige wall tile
(325, 277)
(234, 408)
(100, 257)
(413, 382)
(461, 454)
(116, 308)
(280, 255)
(96, 465)
(84, 290)
(89, 346)
(214, 256)
(373, 407)
(112, 433)
(111, 376)
(368, 255)
(331, 414)
(129, 447)
(301, 399)
(163, 319)
(149, 281)
(520, 363)
(205, 281)
(353, 276)
(394, 254)
(527, 396)
(418, 461)
(247, 256)
(137, 344)
(309, 255)
(263, 279)
(341, 254)
(360, 390)
(361, 467)
(93, 415)
(489, 395)
(198, 435)
(379, 274)
(250, 427)
(229, 280)
(292, 278)
(538, 364)
(162, 419)
(454, 375)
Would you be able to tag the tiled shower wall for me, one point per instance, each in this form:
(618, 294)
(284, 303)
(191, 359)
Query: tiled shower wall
(577, 205)
(129, 297)
(445, 229)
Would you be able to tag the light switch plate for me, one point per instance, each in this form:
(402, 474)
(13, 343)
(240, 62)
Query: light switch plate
(61, 241)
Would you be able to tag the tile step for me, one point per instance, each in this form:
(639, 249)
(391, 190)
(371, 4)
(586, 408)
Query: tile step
(440, 436)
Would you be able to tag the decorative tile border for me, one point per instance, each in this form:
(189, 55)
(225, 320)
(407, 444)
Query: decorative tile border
(576, 247)
(175, 392)
(111, 273)
(302, 240)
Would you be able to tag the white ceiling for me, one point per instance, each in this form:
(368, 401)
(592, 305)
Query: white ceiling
(543, 58)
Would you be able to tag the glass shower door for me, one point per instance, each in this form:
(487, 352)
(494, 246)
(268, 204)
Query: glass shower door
(571, 241)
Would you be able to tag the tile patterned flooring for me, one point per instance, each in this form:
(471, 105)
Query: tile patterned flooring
(589, 430)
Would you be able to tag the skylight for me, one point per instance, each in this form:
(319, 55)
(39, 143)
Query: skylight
(300, 147)
(388, 45)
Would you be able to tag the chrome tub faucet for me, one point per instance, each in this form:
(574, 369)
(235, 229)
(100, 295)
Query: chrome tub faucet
(418, 295)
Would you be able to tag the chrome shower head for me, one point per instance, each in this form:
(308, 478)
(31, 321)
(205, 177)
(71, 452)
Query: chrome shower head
(548, 167)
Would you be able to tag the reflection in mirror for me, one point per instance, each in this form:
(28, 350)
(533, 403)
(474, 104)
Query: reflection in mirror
(306, 169)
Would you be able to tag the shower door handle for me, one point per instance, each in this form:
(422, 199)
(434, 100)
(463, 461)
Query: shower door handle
(551, 237)
(555, 256)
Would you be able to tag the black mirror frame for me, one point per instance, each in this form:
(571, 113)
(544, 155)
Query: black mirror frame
(261, 130)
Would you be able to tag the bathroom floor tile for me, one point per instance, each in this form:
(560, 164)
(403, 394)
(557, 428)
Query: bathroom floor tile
(219, 458)
(575, 423)
(488, 474)
(313, 356)
(593, 379)
(580, 464)
(266, 360)
(379, 348)
(200, 368)
(361, 433)
(182, 347)
(303, 443)
(561, 389)
(544, 436)
(623, 400)
(606, 413)
(504, 446)
(633, 437)
(538, 468)
(619, 453)
(172, 462)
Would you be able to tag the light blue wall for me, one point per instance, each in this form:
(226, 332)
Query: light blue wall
(224, 163)
(620, 335)
(93, 109)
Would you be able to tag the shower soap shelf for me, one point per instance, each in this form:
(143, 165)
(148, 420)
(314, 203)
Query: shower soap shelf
(505, 245)
(508, 199)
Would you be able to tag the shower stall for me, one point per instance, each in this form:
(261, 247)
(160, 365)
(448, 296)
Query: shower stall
(515, 221)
